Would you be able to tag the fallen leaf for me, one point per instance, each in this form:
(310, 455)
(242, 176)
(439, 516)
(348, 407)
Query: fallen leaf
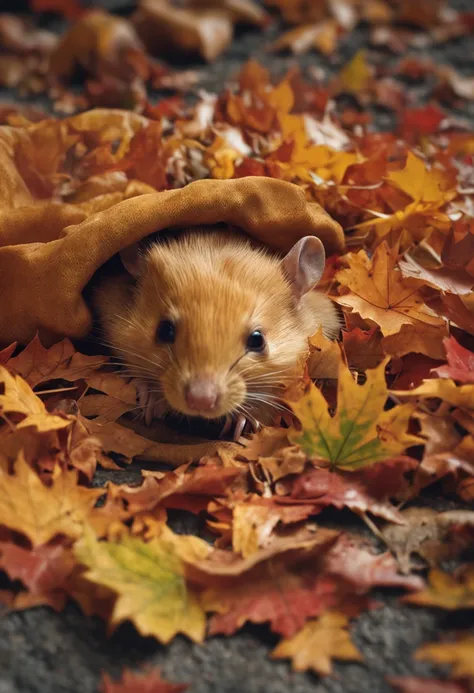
(318, 643)
(460, 364)
(410, 684)
(366, 490)
(447, 591)
(459, 654)
(43, 512)
(361, 432)
(37, 365)
(424, 533)
(147, 682)
(19, 398)
(43, 570)
(149, 581)
(379, 292)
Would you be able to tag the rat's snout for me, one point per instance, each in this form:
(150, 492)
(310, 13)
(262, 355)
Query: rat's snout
(202, 394)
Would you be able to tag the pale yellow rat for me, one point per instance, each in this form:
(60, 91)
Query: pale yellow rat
(214, 326)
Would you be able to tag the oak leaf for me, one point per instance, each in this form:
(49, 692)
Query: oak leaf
(146, 682)
(361, 432)
(43, 512)
(318, 643)
(379, 292)
(460, 654)
(19, 398)
(150, 584)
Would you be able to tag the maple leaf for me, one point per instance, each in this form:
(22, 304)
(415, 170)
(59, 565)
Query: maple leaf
(460, 363)
(367, 490)
(260, 587)
(254, 520)
(446, 591)
(43, 570)
(361, 432)
(323, 37)
(185, 488)
(19, 398)
(354, 561)
(429, 189)
(410, 684)
(318, 643)
(147, 682)
(43, 512)
(149, 581)
(444, 389)
(357, 74)
(36, 364)
(460, 654)
(379, 292)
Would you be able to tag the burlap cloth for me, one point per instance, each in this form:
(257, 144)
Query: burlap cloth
(50, 250)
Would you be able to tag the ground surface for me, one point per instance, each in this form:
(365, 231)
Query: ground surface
(45, 652)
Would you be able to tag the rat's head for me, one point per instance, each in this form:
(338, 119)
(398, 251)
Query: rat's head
(215, 324)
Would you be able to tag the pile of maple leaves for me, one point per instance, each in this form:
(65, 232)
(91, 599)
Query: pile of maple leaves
(392, 413)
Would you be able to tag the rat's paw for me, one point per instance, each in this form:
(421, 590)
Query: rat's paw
(150, 402)
(237, 426)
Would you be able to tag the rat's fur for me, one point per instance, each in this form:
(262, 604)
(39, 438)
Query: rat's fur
(217, 287)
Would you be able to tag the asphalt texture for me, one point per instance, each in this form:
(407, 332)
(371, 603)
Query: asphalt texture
(45, 652)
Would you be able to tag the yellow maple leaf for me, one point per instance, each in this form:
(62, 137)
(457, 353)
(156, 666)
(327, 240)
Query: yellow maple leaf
(19, 398)
(357, 74)
(460, 654)
(430, 190)
(379, 292)
(419, 182)
(318, 643)
(42, 512)
(447, 591)
(149, 581)
(445, 389)
(361, 432)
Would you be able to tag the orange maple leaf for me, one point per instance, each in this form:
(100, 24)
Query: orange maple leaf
(378, 292)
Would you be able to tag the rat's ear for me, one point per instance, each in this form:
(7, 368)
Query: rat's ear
(304, 265)
(132, 259)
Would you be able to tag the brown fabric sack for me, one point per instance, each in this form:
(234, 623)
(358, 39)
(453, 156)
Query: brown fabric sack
(49, 251)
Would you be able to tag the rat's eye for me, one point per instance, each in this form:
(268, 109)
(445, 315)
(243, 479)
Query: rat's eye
(256, 341)
(166, 332)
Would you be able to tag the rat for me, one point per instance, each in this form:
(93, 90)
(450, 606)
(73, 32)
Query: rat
(213, 325)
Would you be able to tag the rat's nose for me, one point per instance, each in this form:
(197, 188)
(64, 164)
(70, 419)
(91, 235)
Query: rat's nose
(202, 394)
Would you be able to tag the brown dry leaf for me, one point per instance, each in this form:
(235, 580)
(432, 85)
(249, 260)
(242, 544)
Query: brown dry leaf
(424, 533)
(318, 643)
(99, 43)
(324, 358)
(204, 27)
(379, 292)
(43, 512)
(36, 364)
(460, 654)
(323, 37)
